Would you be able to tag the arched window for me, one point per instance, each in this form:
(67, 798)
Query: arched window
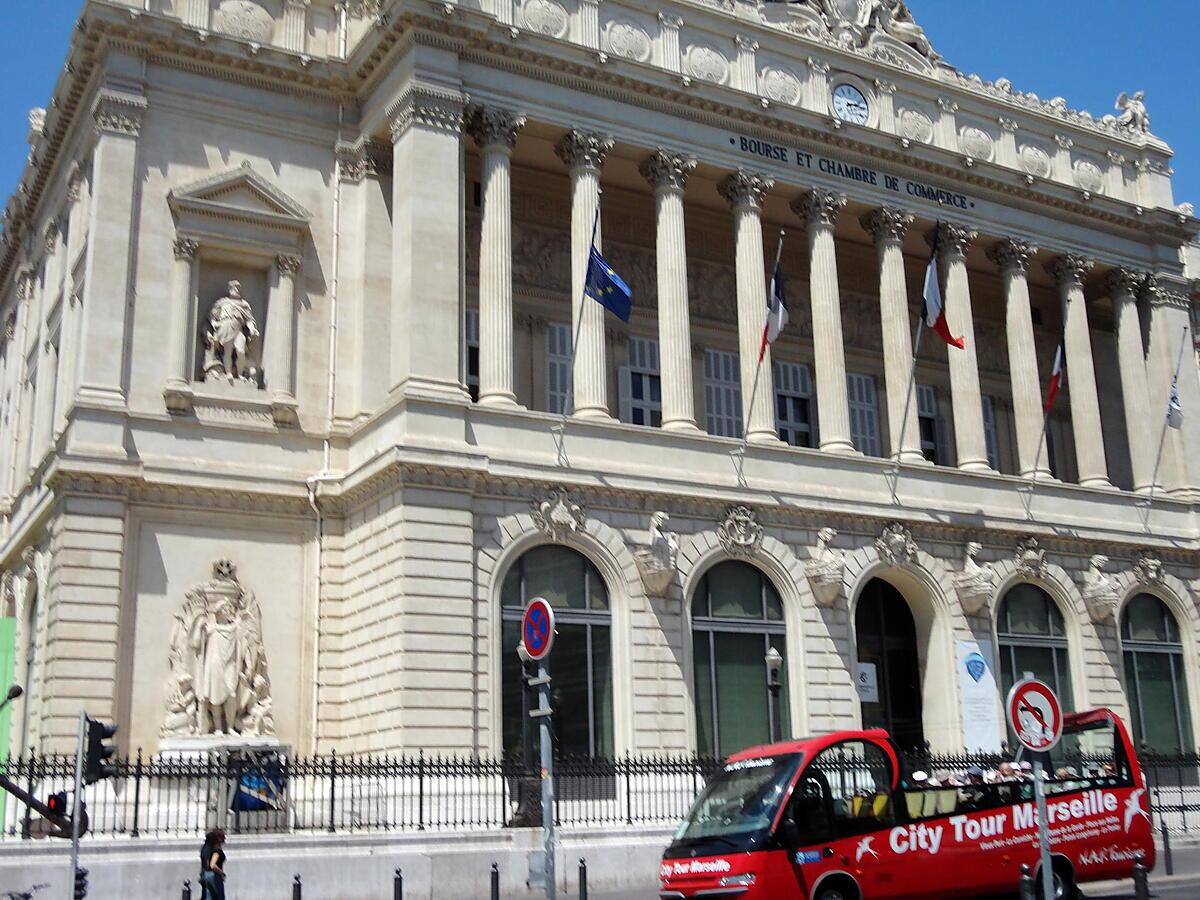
(1154, 679)
(737, 617)
(1033, 638)
(581, 662)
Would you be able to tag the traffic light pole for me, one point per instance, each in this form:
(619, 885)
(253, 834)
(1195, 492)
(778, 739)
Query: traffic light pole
(76, 801)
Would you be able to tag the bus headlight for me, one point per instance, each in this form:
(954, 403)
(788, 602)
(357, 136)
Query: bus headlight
(737, 880)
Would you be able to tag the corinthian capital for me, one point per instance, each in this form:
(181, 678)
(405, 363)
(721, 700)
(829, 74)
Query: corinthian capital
(436, 109)
(745, 188)
(819, 207)
(1069, 270)
(667, 171)
(1125, 284)
(1012, 255)
(186, 247)
(953, 241)
(288, 265)
(494, 126)
(583, 149)
(886, 224)
(118, 113)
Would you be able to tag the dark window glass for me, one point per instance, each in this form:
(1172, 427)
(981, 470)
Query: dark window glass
(1032, 638)
(1154, 676)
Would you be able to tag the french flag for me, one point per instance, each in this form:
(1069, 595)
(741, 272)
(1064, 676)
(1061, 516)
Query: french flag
(934, 312)
(1057, 377)
(777, 310)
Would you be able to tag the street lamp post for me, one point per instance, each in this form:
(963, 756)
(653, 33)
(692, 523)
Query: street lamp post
(14, 692)
(774, 663)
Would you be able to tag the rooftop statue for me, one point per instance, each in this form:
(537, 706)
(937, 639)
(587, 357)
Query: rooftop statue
(1134, 116)
(853, 22)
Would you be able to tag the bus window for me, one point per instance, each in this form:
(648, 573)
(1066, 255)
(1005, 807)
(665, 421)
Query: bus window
(859, 778)
(807, 820)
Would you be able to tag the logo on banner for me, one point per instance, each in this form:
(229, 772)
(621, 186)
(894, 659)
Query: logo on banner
(976, 666)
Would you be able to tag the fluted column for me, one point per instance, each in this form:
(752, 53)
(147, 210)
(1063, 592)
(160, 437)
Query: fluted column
(1012, 258)
(495, 130)
(819, 210)
(1069, 271)
(178, 392)
(745, 191)
(281, 316)
(888, 226)
(964, 364)
(668, 173)
(584, 154)
(1170, 312)
(1140, 421)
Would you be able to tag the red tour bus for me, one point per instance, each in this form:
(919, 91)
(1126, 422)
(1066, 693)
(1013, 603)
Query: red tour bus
(835, 818)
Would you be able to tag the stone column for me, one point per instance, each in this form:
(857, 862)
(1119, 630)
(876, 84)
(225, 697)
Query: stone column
(178, 392)
(1069, 271)
(584, 153)
(668, 173)
(427, 236)
(888, 226)
(744, 192)
(1169, 315)
(44, 398)
(819, 210)
(72, 311)
(964, 365)
(1141, 424)
(495, 131)
(295, 25)
(1012, 257)
(281, 317)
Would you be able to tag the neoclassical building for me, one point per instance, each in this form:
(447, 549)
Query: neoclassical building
(300, 405)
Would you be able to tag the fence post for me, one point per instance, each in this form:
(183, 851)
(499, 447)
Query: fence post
(420, 790)
(583, 879)
(137, 793)
(495, 881)
(398, 886)
(1166, 842)
(332, 789)
(187, 891)
(628, 791)
(27, 824)
(1141, 882)
(296, 887)
(1027, 885)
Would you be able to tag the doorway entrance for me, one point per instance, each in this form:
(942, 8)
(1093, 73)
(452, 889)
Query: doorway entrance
(887, 649)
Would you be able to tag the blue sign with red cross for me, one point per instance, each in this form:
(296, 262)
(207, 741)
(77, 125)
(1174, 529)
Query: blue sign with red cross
(537, 629)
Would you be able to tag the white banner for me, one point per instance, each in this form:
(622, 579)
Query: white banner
(979, 696)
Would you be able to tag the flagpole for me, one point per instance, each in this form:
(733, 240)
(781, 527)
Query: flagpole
(1037, 462)
(762, 349)
(1162, 438)
(569, 399)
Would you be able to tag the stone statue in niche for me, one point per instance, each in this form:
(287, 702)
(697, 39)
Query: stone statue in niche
(231, 332)
(975, 582)
(657, 562)
(218, 681)
(826, 569)
(1100, 590)
(1134, 116)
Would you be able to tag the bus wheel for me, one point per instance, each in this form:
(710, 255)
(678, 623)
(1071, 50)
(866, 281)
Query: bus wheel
(1064, 882)
(839, 889)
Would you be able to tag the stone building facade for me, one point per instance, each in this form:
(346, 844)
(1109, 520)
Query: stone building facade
(291, 295)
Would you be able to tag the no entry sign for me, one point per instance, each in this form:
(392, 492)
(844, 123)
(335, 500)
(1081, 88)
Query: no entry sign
(1035, 714)
(537, 629)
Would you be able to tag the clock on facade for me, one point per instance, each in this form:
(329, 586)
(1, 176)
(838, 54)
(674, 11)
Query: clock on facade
(850, 105)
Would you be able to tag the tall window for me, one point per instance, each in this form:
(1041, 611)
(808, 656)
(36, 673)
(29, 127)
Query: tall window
(927, 422)
(864, 413)
(794, 404)
(737, 617)
(722, 394)
(990, 439)
(581, 664)
(1033, 638)
(1154, 678)
(641, 386)
(471, 333)
(558, 368)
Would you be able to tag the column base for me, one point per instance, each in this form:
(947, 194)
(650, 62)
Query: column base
(764, 437)
(594, 414)
(1146, 489)
(912, 458)
(1040, 475)
(843, 448)
(499, 400)
(682, 426)
(976, 465)
(1102, 484)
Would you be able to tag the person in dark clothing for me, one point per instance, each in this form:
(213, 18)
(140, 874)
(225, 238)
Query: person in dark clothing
(212, 866)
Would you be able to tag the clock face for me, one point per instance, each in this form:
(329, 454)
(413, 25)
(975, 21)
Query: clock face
(850, 105)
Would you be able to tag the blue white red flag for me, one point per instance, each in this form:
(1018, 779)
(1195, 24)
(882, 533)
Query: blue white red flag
(934, 312)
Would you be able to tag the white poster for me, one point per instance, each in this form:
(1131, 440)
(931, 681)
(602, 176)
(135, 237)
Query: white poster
(979, 695)
(868, 683)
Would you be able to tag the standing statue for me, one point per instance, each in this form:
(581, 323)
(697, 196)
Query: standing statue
(894, 18)
(231, 330)
(218, 682)
(1134, 116)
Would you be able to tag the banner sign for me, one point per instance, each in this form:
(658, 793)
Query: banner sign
(804, 159)
(978, 694)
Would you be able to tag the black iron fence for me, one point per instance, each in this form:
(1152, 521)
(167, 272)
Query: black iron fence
(186, 794)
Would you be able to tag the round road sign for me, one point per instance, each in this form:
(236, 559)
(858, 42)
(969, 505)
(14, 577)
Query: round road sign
(1035, 714)
(537, 629)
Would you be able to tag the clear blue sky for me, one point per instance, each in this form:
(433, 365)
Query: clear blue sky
(1085, 50)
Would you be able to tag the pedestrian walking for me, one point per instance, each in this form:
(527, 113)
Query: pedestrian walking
(212, 866)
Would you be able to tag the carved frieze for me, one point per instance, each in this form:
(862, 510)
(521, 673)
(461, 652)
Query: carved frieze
(1100, 591)
(896, 546)
(826, 569)
(740, 534)
(558, 515)
(435, 108)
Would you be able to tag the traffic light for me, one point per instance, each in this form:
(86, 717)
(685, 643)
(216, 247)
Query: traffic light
(97, 753)
(58, 804)
(80, 884)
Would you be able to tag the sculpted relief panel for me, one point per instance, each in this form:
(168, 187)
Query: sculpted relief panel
(628, 40)
(244, 19)
(707, 63)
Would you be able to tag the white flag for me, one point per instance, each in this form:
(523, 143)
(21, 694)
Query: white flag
(1175, 408)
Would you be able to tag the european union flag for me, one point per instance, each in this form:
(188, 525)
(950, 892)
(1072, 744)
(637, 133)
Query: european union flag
(607, 288)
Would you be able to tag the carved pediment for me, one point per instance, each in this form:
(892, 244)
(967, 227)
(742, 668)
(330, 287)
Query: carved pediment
(240, 194)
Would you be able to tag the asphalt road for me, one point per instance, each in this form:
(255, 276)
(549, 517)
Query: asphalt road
(1185, 891)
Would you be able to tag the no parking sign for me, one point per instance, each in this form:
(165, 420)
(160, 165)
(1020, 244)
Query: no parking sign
(1035, 715)
(537, 629)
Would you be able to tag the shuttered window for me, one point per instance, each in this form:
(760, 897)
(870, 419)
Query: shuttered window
(927, 422)
(794, 404)
(989, 432)
(558, 368)
(471, 333)
(864, 413)
(722, 394)
(641, 386)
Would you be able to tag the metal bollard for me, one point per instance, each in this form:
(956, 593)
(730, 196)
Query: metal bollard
(398, 886)
(296, 887)
(1028, 888)
(1168, 862)
(187, 891)
(1141, 880)
(495, 881)
(582, 878)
